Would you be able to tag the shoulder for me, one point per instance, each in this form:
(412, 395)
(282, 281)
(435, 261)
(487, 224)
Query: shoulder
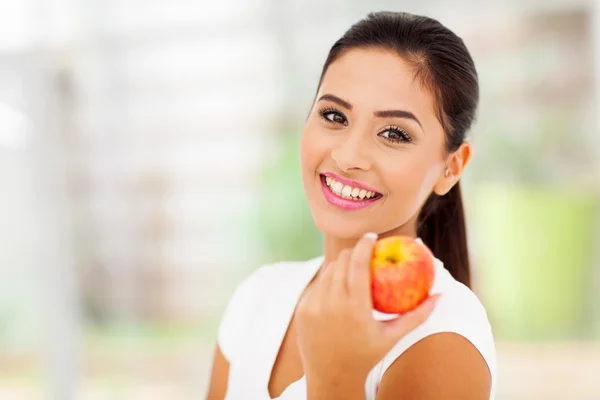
(442, 365)
(253, 285)
(248, 296)
(280, 273)
(458, 311)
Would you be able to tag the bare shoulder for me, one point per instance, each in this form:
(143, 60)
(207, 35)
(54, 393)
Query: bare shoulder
(441, 366)
(219, 376)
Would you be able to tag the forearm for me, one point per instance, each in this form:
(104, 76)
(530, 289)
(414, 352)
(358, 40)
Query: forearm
(338, 388)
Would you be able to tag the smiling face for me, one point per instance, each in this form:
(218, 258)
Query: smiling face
(373, 128)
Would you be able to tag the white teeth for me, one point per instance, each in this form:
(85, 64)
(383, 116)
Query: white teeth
(337, 188)
(348, 192)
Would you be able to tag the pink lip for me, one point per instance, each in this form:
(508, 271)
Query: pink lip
(349, 182)
(340, 202)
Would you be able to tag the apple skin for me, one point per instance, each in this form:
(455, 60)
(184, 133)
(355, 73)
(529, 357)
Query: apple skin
(402, 273)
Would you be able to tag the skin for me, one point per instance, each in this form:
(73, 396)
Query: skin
(350, 140)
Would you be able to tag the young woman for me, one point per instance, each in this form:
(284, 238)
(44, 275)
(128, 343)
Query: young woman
(382, 153)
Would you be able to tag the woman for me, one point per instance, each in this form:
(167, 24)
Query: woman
(382, 152)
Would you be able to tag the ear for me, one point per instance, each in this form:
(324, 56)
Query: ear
(455, 164)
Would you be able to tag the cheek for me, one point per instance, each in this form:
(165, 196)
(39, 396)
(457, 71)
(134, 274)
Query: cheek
(411, 180)
(312, 150)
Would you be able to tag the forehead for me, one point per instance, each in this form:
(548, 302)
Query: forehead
(376, 79)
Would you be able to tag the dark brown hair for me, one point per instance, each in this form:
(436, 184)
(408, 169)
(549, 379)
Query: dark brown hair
(443, 65)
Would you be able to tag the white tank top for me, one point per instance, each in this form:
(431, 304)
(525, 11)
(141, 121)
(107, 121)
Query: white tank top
(257, 318)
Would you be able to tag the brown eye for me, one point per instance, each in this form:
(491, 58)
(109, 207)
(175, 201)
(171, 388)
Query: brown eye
(337, 118)
(396, 134)
(333, 116)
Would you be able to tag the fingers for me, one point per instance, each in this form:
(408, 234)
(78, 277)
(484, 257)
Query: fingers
(349, 272)
(359, 282)
(324, 277)
(397, 328)
(339, 274)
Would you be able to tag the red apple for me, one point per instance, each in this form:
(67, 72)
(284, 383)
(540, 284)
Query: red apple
(402, 273)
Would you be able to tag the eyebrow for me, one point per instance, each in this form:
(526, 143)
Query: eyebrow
(337, 100)
(381, 114)
(397, 114)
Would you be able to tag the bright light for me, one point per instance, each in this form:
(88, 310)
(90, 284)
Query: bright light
(15, 130)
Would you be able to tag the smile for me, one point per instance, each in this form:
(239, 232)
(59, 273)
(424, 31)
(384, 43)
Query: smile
(347, 195)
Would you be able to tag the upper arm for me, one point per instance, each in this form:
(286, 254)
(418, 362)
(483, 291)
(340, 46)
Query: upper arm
(440, 366)
(218, 380)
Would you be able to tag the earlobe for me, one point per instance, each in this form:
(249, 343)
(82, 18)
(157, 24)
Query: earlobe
(444, 184)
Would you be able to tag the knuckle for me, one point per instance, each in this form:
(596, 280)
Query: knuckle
(303, 304)
(308, 309)
(300, 308)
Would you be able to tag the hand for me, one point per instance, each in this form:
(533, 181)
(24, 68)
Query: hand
(338, 339)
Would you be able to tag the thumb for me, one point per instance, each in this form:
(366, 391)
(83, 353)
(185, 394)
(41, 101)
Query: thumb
(401, 326)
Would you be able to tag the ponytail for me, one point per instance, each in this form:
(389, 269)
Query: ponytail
(442, 228)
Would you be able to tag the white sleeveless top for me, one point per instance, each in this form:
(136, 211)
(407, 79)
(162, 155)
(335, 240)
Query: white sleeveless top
(257, 318)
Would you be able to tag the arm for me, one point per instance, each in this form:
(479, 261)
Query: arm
(218, 380)
(441, 366)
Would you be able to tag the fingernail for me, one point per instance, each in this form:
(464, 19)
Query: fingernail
(370, 236)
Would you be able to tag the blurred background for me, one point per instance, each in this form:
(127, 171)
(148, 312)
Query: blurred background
(148, 163)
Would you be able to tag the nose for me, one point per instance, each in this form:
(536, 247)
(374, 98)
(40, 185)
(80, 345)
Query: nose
(351, 153)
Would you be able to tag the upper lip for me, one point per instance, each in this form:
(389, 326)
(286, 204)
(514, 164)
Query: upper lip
(350, 182)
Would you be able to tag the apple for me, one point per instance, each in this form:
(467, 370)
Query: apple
(402, 273)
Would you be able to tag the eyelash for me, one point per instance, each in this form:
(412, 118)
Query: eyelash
(404, 136)
(324, 112)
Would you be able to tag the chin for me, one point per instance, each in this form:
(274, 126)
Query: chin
(342, 227)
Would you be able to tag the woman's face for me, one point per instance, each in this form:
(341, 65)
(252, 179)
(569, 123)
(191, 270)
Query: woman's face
(372, 149)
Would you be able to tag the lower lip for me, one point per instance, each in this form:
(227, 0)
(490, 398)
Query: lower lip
(344, 204)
